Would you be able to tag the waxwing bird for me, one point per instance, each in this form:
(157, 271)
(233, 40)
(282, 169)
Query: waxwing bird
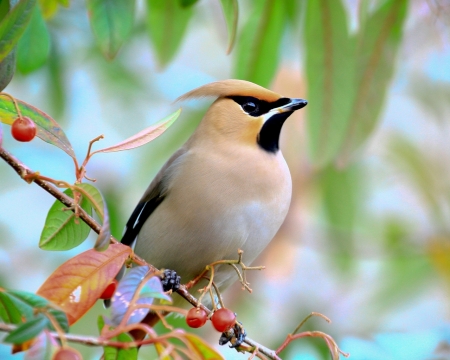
(227, 188)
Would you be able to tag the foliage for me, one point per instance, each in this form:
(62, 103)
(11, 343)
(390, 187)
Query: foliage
(348, 72)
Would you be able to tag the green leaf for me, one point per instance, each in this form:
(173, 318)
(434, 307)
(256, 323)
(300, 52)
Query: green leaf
(57, 94)
(167, 21)
(7, 68)
(93, 195)
(202, 348)
(13, 25)
(12, 309)
(30, 299)
(47, 128)
(62, 229)
(186, 3)
(27, 331)
(50, 7)
(34, 45)
(95, 198)
(112, 22)
(8, 64)
(112, 353)
(259, 43)
(378, 43)
(341, 192)
(330, 71)
(231, 12)
(36, 301)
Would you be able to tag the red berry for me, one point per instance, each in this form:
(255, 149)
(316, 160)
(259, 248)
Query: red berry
(223, 319)
(67, 353)
(196, 317)
(23, 129)
(109, 291)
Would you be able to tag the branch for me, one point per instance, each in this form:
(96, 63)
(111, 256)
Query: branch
(22, 170)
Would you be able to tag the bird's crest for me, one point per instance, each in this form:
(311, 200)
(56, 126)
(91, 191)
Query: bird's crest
(231, 87)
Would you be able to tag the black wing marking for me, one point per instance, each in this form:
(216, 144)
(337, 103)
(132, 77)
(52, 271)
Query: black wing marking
(155, 194)
(138, 217)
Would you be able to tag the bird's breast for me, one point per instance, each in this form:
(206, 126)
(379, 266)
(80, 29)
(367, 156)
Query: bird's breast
(216, 204)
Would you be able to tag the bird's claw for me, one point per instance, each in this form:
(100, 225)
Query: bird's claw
(170, 280)
(236, 336)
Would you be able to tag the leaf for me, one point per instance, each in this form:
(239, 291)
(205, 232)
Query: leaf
(112, 23)
(13, 25)
(259, 43)
(27, 331)
(144, 136)
(79, 282)
(34, 45)
(201, 348)
(125, 291)
(379, 41)
(153, 289)
(1, 135)
(98, 202)
(43, 348)
(56, 85)
(62, 230)
(50, 7)
(167, 21)
(330, 71)
(112, 353)
(186, 3)
(12, 309)
(47, 128)
(93, 195)
(341, 193)
(7, 68)
(35, 302)
(96, 199)
(231, 12)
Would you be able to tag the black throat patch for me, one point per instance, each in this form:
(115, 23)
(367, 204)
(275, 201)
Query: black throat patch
(268, 137)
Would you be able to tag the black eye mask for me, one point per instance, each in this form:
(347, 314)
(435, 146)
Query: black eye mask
(255, 107)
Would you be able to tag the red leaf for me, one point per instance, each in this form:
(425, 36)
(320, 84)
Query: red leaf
(145, 136)
(78, 283)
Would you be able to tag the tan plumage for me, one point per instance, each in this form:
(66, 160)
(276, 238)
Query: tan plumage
(227, 188)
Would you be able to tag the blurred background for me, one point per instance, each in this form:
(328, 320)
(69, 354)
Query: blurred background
(367, 238)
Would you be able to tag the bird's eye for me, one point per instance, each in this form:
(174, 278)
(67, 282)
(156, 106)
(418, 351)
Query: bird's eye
(249, 107)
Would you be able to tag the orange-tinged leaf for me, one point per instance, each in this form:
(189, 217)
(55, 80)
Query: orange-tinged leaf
(145, 136)
(201, 348)
(78, 283)
(47, 128)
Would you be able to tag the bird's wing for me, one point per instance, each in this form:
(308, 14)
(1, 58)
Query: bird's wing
(153, 196)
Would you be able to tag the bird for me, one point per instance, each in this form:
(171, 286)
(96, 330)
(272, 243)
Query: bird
(228, 188)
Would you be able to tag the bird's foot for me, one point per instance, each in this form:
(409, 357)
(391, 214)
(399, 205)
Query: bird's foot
(170, 280)
(236, 336)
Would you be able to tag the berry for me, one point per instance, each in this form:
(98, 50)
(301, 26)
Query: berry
(196, 318)
(67, 353)
(23, 129)
(110, 290)
(223, 319)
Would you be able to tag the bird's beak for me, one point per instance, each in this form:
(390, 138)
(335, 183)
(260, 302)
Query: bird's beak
(293, 105)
